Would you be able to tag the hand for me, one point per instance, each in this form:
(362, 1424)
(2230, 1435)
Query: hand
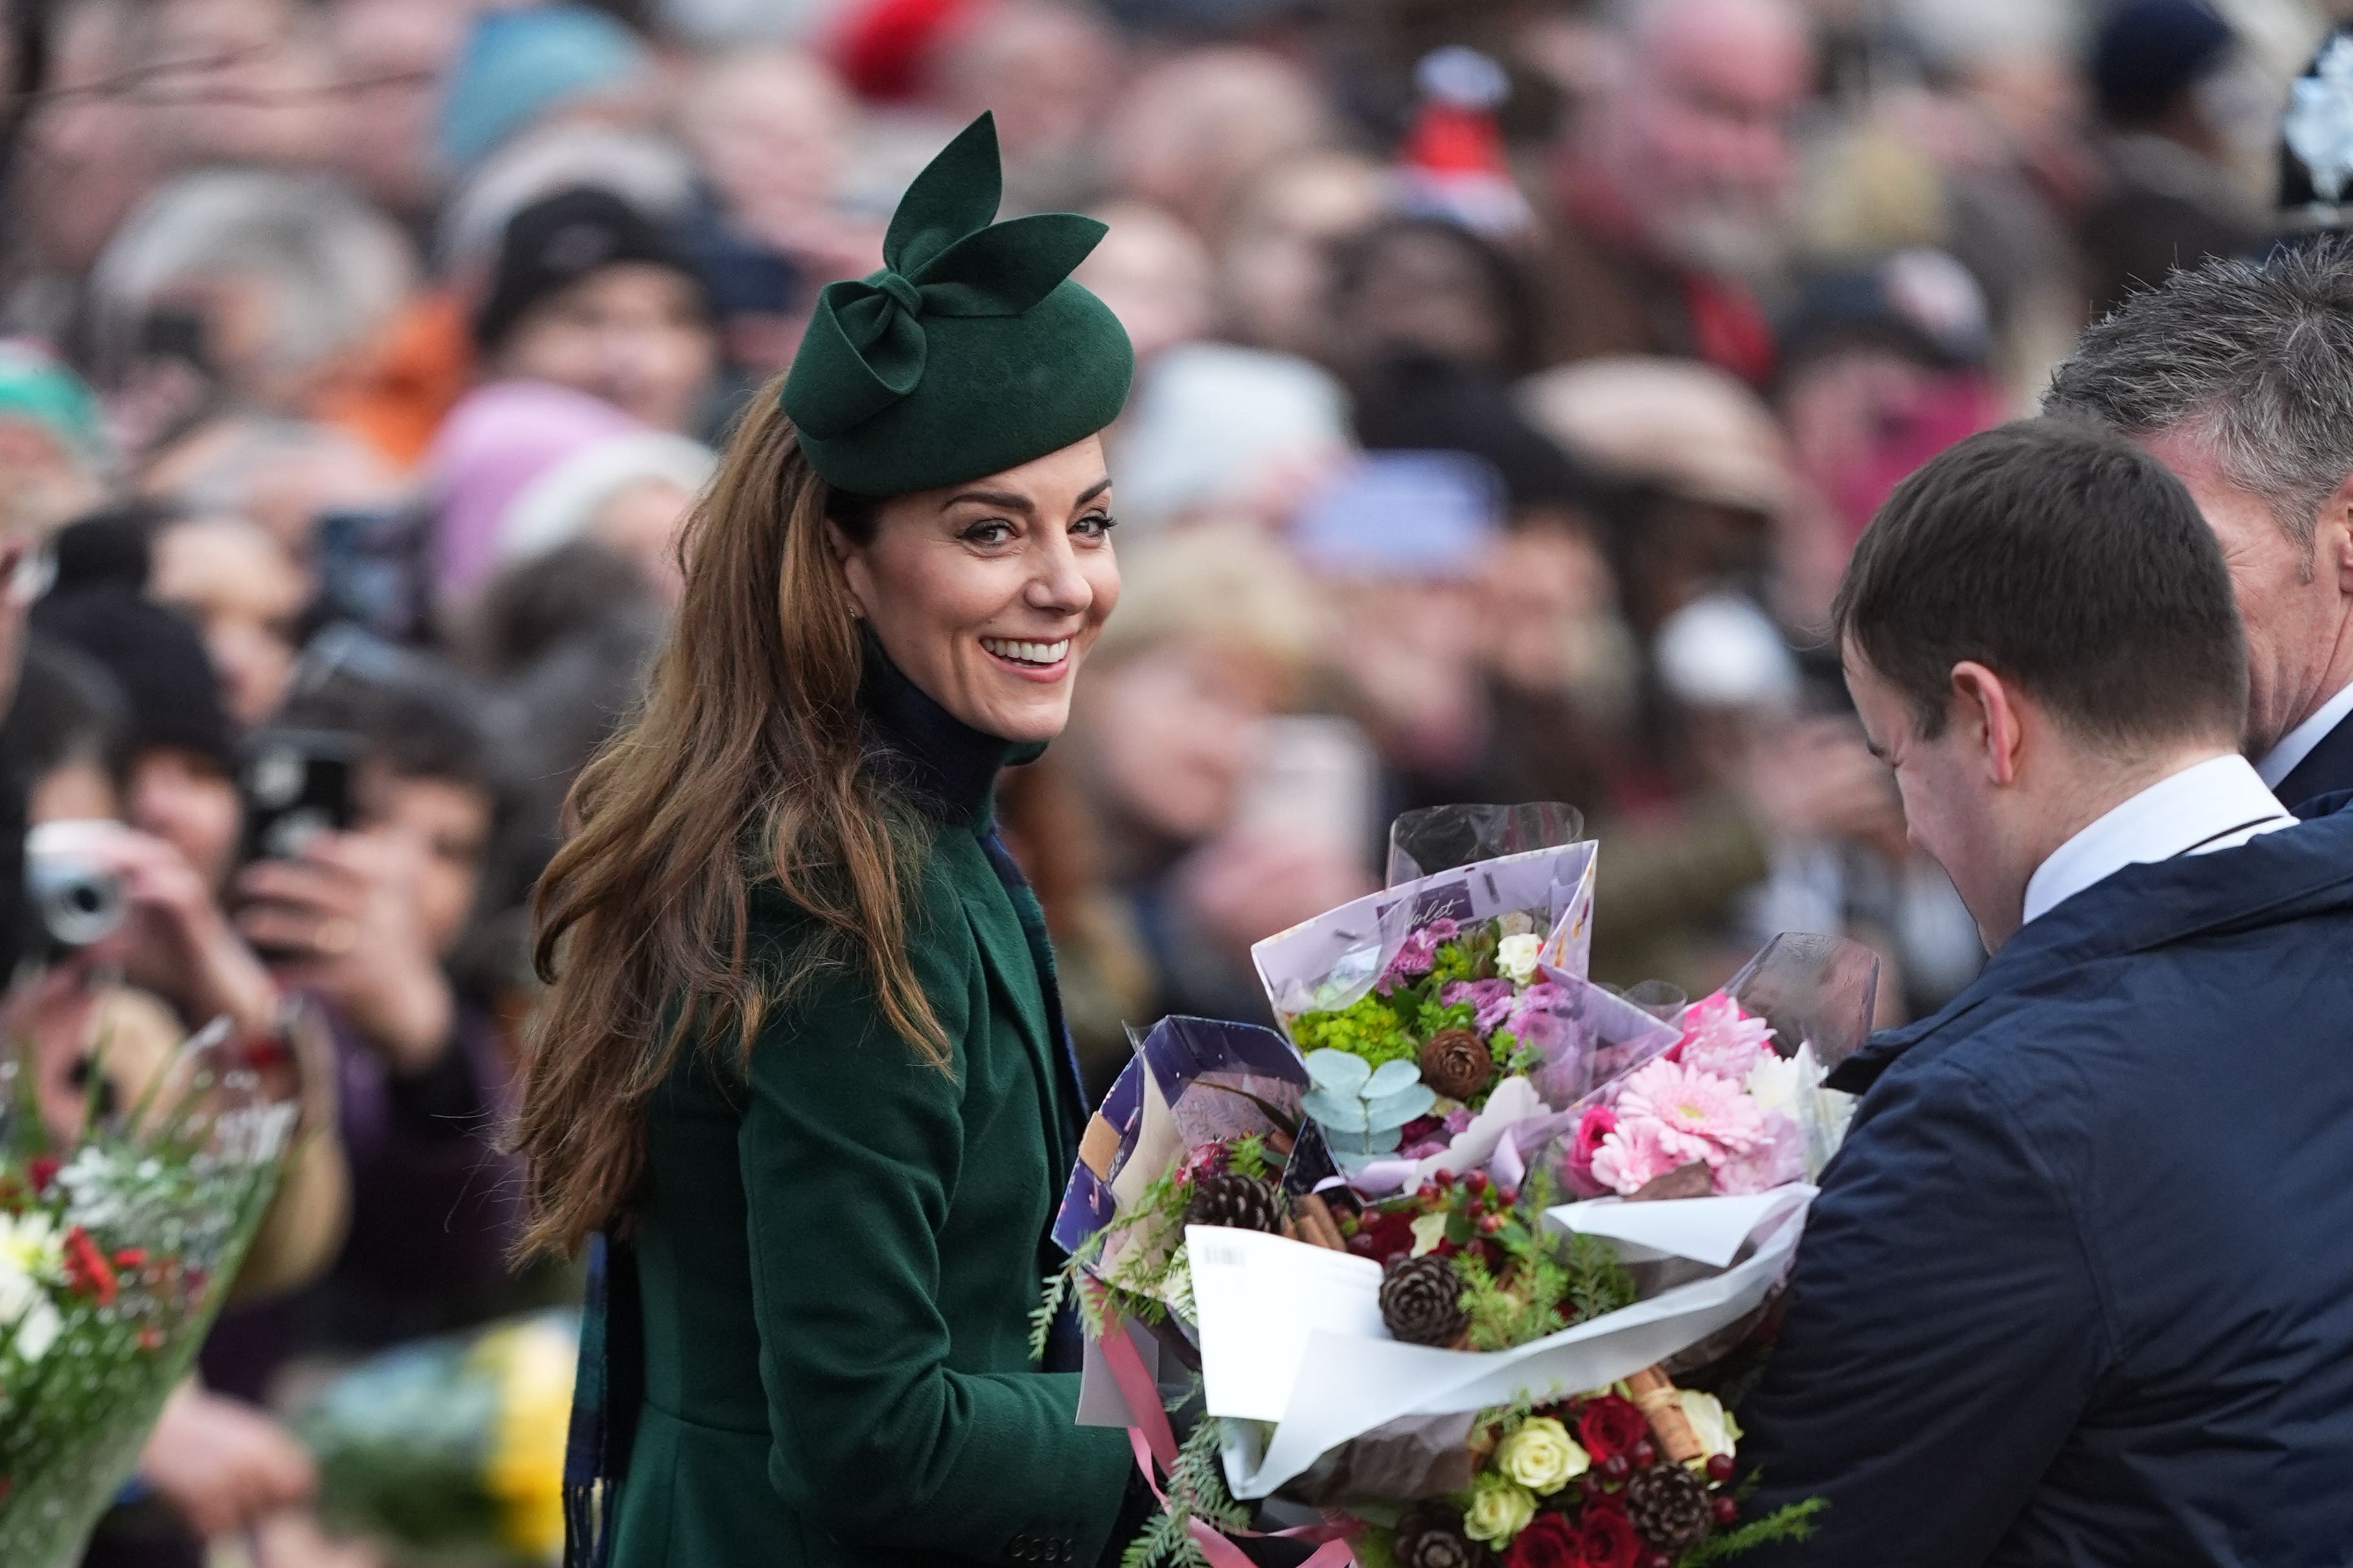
(1245, 887)
(1817, 780)
(342, 920)
(176, 941)
(223, 1466)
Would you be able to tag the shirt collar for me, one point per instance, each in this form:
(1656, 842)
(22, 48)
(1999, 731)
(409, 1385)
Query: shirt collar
(2214, 805)
(2295, 745)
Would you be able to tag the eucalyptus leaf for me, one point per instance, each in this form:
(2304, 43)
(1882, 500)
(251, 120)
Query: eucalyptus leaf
(1339, 1072)
(1390, 1078)
(1336, 1112)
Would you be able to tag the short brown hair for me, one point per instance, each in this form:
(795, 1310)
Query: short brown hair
(2063, 558)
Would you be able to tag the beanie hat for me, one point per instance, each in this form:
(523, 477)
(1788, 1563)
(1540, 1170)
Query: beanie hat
(496, 443)
(971, 350)
(517, 64)
(2148, 50)
(158, 660)
(36, 388)
(559, 239)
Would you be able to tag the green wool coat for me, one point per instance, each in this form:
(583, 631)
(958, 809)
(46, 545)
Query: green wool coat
(837, 1260)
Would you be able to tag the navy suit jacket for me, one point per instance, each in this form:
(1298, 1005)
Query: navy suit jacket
(2326, 769)
(2078, 1287)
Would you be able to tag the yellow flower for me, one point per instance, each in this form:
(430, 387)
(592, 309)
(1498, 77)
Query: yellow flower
(1499, 1510)
(533, 1360)
(1710, 1422)
(1541, 1456)
(1515, 957)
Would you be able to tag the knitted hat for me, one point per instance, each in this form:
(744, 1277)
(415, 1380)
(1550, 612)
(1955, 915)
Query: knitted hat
(496, 443)
(2149, 50)
(519, 62)
(36, 388)
(971, 351)
(559, 239)
(158, 660)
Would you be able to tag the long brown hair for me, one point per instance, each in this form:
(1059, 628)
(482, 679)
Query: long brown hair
(744, 760)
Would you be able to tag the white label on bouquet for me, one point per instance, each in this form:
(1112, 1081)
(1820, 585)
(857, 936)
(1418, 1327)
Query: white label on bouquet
(1257, 1297)
(1708, 1230)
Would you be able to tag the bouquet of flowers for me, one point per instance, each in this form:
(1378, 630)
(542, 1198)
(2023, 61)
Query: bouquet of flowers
(117, 1243)
(453, 1447)
(1459, 1343)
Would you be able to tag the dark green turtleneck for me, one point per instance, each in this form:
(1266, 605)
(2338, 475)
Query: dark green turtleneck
(838, 1251)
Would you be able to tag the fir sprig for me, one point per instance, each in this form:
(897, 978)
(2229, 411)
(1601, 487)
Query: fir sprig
(1196, 1490)
(1795, 1522)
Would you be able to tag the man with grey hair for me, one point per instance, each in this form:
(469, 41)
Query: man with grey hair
(2239, 377)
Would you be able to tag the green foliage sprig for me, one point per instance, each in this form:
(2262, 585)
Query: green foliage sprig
(1369, 1027)
(1795, 1522)
(1543, 1283)
(1197, 1490)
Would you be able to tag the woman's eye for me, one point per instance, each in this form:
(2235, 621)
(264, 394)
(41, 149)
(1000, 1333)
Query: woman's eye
(991, 532)
(1094, 525)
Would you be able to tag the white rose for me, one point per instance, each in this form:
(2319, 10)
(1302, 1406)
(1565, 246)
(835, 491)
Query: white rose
(1710, 1422)
(1541, 1456)
(1515, 957)
(1499, 1510)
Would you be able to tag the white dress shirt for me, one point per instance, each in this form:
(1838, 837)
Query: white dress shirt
(2219, 804)
(2297, 744)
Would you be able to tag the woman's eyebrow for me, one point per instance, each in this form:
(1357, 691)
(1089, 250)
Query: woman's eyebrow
(1007, 499)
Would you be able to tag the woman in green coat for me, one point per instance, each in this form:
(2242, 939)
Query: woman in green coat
(800, 1060)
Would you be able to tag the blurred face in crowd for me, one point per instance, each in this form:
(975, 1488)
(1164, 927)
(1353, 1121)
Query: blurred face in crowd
(988, 595)
(189, 801)
(245, 82)
(631, 334)
(2296, 600)
(48, 484)
(1275, 267)
(280, 474)
(1152, 273)
(396, 52)
(1191, 132)
(243, 591)
(1696, 134)
(1171, 727)
(640, 521)
(1426, 291)
(771, 129)
(442, 830)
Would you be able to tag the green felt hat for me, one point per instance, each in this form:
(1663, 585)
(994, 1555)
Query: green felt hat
(970, 353)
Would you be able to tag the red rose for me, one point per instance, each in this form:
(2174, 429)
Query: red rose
(1605, 1539)
(1611, 1426)
(1551, 1542)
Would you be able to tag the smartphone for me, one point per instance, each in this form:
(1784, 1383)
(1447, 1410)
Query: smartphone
(371, 569)
(296, 784)
(1315, 779)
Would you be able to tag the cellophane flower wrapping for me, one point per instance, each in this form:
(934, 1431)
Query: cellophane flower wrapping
(1436, 1350)
(118, 1246)
(452, 1448)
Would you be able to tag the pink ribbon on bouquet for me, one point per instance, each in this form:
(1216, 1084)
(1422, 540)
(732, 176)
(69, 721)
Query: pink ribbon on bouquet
(1155, 1442)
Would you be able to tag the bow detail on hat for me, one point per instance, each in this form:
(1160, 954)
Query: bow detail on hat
(864, 349)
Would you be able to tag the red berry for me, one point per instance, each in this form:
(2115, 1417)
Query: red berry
(1489, 1224)
(1476, 1181)
(1658, 1560)
(1510, 1195)
(1590, 1484)
(1720, 1468)
(1616, 1467)
(1428, 1192)
(1726, 1511)
(1646, 1454)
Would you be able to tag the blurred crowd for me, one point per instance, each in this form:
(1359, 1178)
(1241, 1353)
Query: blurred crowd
(1515, 378)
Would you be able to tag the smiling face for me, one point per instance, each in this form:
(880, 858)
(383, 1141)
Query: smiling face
(988, 595)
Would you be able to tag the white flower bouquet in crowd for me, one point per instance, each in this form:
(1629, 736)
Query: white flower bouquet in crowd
(1456, 1274)
(117, 1243)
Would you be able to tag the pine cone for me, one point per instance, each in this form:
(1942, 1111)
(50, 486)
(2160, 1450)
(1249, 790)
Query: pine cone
(1670, 1508)
(1230, 1198)
(1422, 1301)
(1431, 1536)
(1457, 1063)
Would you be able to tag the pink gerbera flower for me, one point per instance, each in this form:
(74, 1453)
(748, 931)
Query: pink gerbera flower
(1719, 1039)
(1698, 1104)
(1778, 1158)
(1641, 1148)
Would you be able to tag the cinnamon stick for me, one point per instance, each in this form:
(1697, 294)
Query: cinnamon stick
(1661, 1402)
